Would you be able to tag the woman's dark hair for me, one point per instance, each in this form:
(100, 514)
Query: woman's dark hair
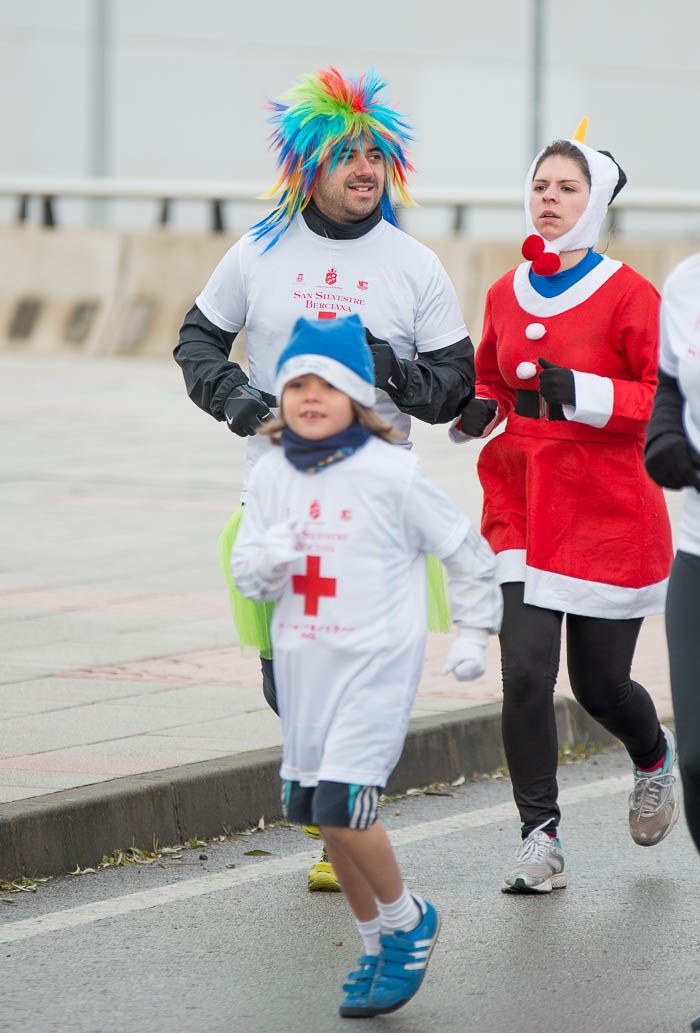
(567, 150)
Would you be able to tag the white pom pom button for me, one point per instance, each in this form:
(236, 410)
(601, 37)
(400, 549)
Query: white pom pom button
(535, 331)
(526, 370)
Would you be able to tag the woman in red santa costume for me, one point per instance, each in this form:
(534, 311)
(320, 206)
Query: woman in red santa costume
(568, 359)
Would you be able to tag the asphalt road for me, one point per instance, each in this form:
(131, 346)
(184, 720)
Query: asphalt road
(235, 943)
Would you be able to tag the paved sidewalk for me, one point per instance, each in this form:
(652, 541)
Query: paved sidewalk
(118, 656)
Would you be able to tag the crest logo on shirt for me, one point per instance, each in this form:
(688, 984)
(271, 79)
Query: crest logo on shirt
(331, 277)
(315, 510)
(346, 514)
(300, 277)
(362, 285)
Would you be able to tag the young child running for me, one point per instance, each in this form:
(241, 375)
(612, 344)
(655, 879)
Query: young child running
(336, 528)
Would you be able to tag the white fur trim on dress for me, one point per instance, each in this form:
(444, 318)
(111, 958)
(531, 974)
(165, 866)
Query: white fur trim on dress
(592, 598)
(595, 397)
(458, 437)
(510, 565)
(537, 305)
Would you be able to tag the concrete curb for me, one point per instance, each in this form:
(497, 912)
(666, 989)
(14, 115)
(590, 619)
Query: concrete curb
(50, 835)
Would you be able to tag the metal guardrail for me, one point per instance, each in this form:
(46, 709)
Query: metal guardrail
(165, 193)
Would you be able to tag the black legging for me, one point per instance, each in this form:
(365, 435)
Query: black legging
(683, 634)
(269, 687)
(268, 679)
(599, 658)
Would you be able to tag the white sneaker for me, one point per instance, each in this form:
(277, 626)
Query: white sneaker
(654, 803)
(539, 865)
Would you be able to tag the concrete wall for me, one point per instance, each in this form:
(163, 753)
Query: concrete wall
(58, 290)
(159, 277)
(106, 292)
(189, 82)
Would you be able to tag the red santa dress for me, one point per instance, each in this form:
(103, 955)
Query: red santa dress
(568, 507)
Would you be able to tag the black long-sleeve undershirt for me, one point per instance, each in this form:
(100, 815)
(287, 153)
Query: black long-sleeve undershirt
(203, 356)
(667, 414)
(439, 383)
(438, 386)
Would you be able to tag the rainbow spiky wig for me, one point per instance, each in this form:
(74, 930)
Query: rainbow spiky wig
(315, 123)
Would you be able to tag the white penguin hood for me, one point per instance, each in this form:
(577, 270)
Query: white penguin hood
(584, 234)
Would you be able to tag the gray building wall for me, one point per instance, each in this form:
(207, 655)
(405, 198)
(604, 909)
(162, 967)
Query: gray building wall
(190, 80)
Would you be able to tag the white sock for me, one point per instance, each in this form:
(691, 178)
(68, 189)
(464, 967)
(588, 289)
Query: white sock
(369, 931)
(403, 914)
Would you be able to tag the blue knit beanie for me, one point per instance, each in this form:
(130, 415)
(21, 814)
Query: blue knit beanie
(335, 350)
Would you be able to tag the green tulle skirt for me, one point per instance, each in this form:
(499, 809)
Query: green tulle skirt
(253, 619)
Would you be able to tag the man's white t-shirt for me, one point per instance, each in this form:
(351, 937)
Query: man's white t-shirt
(395, 284)
(679, 357)
(349, 628)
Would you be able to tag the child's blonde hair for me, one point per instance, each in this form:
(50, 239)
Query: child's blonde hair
(365, 416)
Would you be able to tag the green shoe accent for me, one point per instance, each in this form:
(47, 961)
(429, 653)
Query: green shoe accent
(322, 878)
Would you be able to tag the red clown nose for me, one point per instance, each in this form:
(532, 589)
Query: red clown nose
(544, 263)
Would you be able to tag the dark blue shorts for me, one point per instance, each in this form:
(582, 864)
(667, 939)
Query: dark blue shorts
(331, 803)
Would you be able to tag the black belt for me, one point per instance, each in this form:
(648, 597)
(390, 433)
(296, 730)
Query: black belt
(532, 405)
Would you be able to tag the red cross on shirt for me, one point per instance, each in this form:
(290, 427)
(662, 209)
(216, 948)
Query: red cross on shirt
(312, 586)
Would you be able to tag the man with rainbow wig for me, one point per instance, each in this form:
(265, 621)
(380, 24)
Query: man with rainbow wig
(330, 247)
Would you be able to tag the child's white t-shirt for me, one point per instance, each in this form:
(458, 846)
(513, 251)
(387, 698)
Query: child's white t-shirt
(349, 629)
(395, 284)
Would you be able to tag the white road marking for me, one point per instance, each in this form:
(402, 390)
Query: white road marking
(86, 914)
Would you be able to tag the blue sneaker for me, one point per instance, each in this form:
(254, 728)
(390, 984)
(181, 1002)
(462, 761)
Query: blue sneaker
(403, 961)
(357, 989)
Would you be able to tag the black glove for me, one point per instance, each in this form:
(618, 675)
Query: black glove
(246, 408)
(389, 370)
(557, 385)
(476, 416)
(672, 463)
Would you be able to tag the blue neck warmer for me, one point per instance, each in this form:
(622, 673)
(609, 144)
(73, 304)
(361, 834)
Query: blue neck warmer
(553, 286)
(313, 456)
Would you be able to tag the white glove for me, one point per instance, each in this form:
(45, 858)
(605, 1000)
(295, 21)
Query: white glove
(280, 547)
(467, 656)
